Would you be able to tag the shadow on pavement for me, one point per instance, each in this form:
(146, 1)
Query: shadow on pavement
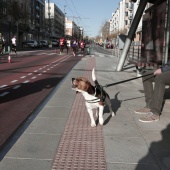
(160, 150)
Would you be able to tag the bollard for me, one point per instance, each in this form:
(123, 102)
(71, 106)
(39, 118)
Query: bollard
(9, 49)
(88, 51)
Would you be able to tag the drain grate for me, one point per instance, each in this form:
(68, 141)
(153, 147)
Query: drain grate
(81, 146)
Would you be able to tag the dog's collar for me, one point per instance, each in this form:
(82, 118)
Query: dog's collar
(98, 90)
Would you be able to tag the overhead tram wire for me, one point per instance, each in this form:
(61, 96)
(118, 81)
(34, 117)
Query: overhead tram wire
(71, 10)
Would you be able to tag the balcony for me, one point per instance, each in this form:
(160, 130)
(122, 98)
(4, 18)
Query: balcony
(130, 16)
(130, 6)
(37, 16)
(37, 8)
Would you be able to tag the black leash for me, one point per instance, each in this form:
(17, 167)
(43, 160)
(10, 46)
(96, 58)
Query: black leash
(112, 84)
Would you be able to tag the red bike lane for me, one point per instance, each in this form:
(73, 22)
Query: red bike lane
(25, 94)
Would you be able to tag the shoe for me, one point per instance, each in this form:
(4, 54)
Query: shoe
(150, 117)
(144, 110)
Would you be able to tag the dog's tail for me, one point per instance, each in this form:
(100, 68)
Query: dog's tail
(94, 77)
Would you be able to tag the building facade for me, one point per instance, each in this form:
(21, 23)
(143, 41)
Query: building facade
(55, 20)
(72, 30)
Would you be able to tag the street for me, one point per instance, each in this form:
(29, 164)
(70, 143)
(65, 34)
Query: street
(26, 82)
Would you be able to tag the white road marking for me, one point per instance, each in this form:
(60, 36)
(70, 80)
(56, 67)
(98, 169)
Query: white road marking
(39, 74)
(30, 74)
(3, 86)
(44, 71)
(3, 94)
(51, 54)
(14, 81)
(33, 77)
(26, 81)
(22, 77)
(16, 87)
(35, 71)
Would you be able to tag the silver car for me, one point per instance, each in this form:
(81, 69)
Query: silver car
(32, 44)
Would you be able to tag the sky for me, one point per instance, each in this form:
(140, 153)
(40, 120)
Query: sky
(89, 14)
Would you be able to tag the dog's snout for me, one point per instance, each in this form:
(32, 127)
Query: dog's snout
(73, 83)
(73, 79)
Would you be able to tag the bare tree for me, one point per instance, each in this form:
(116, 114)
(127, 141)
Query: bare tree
(11, 14)
(25, 17)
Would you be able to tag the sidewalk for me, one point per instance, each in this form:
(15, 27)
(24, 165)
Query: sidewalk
(58, 135)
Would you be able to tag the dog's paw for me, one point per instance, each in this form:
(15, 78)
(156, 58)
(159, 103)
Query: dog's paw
(113, 114)
(93, 124)
(101, 121)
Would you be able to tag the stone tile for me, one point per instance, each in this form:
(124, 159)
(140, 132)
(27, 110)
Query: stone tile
(127, 150)
(25, 164)
(42, 125)
(163, 157)
(158, 125)
(54, 112)
(61, 102)
(35, 146)
(121, 115)
(126, 166)
(121, 129)
(158, 140)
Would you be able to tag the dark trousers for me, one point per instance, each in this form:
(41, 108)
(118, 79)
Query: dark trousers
(154, 95)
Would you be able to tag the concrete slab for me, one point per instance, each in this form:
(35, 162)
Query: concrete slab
(40, 146)
(126, 166)
(25, 164)
(130, 150)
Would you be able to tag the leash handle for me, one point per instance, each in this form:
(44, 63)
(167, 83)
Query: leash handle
(112, 84)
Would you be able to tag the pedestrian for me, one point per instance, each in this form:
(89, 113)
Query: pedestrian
(74, 46)
(1, 43)
(68, 44)
(154, 96)
(82, 45)
(62, 44)
(14, 44)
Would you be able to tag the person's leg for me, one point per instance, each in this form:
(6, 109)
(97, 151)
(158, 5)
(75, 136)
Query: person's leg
(148, 87)
(157, 98)
(161, 81)
(148, 92)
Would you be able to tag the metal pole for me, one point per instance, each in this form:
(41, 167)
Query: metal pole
(49, 23)
(167, 33)
(131, 33)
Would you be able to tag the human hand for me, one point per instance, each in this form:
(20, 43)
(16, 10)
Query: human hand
(158, 71)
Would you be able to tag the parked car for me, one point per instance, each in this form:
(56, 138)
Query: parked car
(40, 44)
(32, 44)
(44, 43)
(55, 43)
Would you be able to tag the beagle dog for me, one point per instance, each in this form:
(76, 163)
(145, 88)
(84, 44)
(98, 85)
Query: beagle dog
(96, 98)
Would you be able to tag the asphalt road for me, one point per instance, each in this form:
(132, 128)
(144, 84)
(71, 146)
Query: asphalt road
(26, 82)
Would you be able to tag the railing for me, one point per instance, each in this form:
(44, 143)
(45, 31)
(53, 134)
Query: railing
(135, 53)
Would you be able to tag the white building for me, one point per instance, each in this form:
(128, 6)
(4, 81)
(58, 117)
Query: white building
(55, 20)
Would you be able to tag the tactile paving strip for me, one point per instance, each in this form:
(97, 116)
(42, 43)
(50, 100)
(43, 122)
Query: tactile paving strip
(81, 146)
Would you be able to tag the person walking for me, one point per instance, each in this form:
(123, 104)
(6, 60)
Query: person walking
(14, 44)
(154, 96)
